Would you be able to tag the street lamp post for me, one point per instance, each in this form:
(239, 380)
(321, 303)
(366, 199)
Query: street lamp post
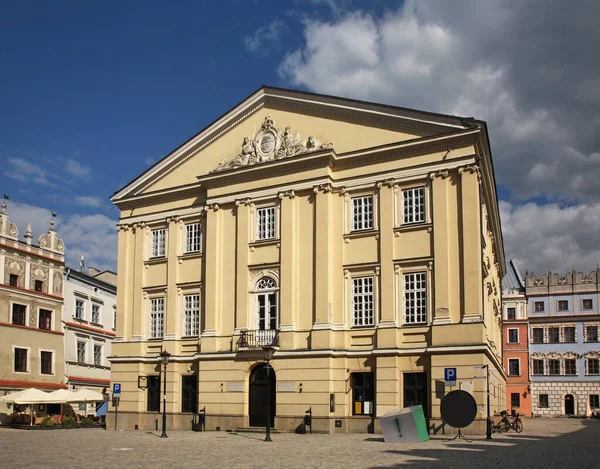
(488, 429)
(164, 358)
(269, 351)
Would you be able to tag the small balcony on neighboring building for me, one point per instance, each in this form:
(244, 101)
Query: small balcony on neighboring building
(256, 339)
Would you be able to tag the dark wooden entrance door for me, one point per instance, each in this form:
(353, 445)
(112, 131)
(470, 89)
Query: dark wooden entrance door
(415, 390)
(258, 395)
(569, 405)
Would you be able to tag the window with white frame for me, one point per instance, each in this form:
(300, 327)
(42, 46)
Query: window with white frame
(191, 314)
(594, 401)
(513, 336)
(593, 366)
(192, 237)
(363, 301)
(158, 243)
(80, 351)
(97, 354)
(79, 305)
(537, 367)
(413, 202)
(21, 360)
(157, 313)
(95, 313)
(267, 308)
(415, 298)
(362, 213)
(570, 366)
(514, 368)
(265, 223)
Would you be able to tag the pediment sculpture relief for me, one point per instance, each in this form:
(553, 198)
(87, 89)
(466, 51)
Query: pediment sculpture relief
(270, 144)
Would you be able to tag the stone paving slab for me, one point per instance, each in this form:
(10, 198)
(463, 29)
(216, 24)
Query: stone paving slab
(547, 443)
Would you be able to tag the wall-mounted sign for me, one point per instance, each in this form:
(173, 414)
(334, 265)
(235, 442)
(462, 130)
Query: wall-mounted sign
(286, 386)
(235, 386)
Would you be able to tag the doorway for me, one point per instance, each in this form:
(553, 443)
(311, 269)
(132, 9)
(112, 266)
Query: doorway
(415, 390)
(258, 396)
(569, 404)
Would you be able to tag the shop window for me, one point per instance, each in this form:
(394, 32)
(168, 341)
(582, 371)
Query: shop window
(363, 393)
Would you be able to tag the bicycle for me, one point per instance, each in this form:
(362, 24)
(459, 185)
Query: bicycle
(507, 422)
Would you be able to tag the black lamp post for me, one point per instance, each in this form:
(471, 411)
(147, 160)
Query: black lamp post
(488, 426)
(269, 351)
(164, 358)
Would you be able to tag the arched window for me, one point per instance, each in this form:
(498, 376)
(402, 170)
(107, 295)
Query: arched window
(267, 304)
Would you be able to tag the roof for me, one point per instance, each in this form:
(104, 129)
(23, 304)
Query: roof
(513, 278)
(92, 280)
(30, 384)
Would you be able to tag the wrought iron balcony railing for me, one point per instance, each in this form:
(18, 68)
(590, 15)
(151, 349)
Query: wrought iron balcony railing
(258, 339)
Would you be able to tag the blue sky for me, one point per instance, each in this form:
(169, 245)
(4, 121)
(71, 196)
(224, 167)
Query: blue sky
(93, 93)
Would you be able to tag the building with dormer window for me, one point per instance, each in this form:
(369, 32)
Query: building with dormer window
(360, 240)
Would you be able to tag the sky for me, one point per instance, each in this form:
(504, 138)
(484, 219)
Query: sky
(93, 93)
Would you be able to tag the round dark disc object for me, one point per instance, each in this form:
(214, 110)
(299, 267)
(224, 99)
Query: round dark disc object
(459, 409)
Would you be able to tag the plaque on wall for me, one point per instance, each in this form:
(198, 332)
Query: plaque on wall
(235, 386)
(286, 386)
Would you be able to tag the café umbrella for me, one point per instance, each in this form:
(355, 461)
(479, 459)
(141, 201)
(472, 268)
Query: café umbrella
(32, 396)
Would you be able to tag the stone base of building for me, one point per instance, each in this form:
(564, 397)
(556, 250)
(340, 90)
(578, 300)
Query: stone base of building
(563, 398)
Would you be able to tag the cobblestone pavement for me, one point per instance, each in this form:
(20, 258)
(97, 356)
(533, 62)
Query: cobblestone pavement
(547, 443)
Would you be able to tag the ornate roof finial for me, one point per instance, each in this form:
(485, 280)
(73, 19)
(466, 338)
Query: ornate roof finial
(52, 221)
(4, 203)
(28, 234)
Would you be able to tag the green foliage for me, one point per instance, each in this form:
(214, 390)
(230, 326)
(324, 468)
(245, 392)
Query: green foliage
(68, 422)
(47, 422)
(87, 421)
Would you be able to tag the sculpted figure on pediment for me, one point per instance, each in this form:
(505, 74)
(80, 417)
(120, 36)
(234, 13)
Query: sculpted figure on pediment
(246, 157)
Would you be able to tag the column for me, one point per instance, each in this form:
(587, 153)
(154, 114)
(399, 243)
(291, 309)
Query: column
(241, 265)
(439, 196)
(288, 304)
(124, 282)
(214, 256)
(172, 323)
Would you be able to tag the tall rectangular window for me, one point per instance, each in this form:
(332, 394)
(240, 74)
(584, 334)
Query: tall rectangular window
(13, 280)
(569, 332)
(553, 335)
(78, 309)
(189, 393)
(19, 314)
(157, 309)
(593, 366)
(594, 401)
(538, 306)
(95, 313)
(192, 237)
(415, 298)
(414, 205)
(363, 393)
(363, 301)
(45, 321)
(563, 305)
(46, 363)
(97, 354)
(515, 400)
(513, 367)
(191, 313)
(39, 286)
(511, 313)
(153, 394)
(543, 401)
(265, 228)
(513, 336)
(538, 367)
(20, 364)
(554, 367)
(362, 213)
(591, 333)
(538, 335)
(570, 367)
(80, 351)
(158, 243)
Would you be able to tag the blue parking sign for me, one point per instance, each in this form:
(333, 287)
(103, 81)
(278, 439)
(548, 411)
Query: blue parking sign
(116, 389)
(450, 374)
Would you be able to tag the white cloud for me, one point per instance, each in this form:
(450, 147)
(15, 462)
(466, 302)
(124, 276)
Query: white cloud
(265, 37)
(88, 201)
(25, 171)
(76, 169)
(93, 236)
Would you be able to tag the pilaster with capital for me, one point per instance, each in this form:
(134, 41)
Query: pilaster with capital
(323, 253)
(242, 277)
(214, 272)
(141, 235)
(289, 262)
(386, 251)
(126, 248)
(172, 325)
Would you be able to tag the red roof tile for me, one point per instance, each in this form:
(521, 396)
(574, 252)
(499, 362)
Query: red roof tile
(89, 380)
(89, 328)
(18, 326)
(30, 384)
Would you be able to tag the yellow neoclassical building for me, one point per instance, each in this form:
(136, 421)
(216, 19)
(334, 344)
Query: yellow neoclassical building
(361, 240)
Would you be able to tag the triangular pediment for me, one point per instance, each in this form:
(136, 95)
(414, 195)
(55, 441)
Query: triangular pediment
(274, 124)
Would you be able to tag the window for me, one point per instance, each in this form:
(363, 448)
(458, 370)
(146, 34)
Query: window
(362, 213)
(192, 237)
(97, 354)
(513, 336)
(593, 366)
(570, 367)
(515, 400)
(189, 393)
(414, 205)
(563, 305)
(45, 321)
(80, 351)
(95, 313)
(513, 367)
(46, 363)
(587, 303)
(553, 335)
(363, 301)
(78, 309)
(569, 334)
(39, 285)
(594, 401)
(592, 333)
(19, 314)
(266, 309)
(415, 298)
(538, 335)
(191, 309)
(114, 318)
(543, 401)
(20, 360)
(265, 229)
(511, 313)
(538, 367)
(157, 309)
(538, 306)
(153, 394)
(363, 393)
(14, 280)
(158, 243)
(554, 367)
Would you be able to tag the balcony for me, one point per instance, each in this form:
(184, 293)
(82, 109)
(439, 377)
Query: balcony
(258, 339)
